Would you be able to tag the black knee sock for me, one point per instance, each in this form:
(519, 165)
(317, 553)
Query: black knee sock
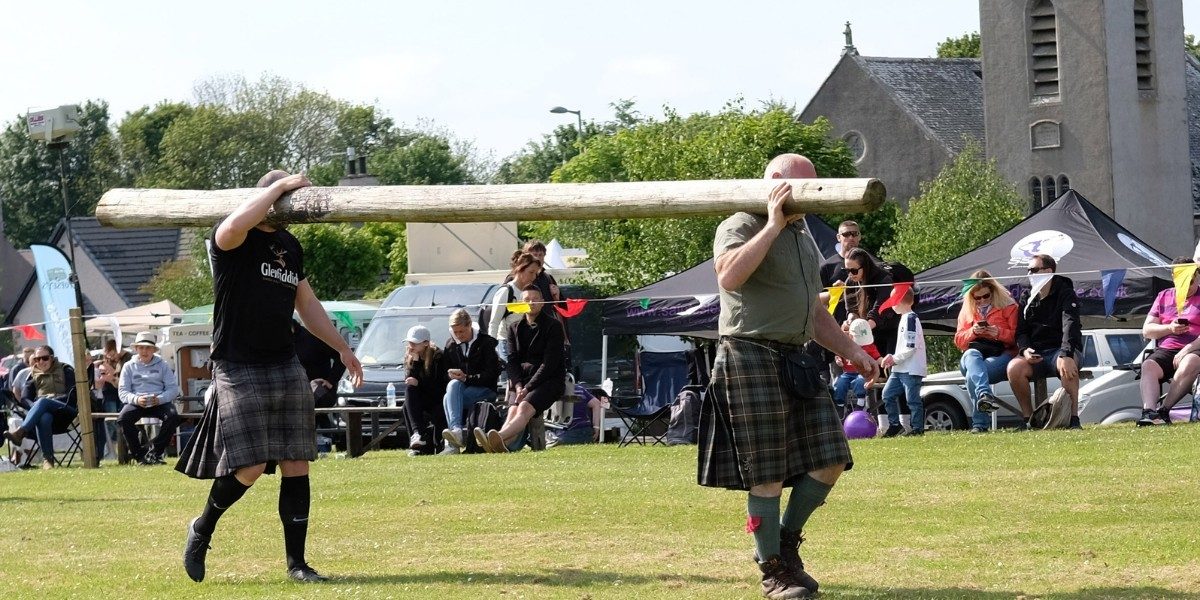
(225, 491)
(294, 500)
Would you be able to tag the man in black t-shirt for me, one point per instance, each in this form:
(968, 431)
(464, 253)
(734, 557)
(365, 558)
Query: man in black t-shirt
(260, 412)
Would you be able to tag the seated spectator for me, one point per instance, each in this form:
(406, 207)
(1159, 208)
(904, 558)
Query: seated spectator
(50, 394)
(1049, 337)
(535, 369)
(104, 386)
(148, 388)
(986, 333)
(860, 331)
(584, 426)
(1177, 354)
(908, 365)
(425, 388)
(525, 269)
(473, 367)
(20, 376)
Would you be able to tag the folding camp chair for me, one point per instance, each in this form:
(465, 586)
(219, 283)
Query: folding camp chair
(61, 426)
(641, 421)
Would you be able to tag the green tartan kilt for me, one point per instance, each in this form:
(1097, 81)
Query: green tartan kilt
(754, 431)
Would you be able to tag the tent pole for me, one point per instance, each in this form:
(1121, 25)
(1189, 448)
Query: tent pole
(603, 376)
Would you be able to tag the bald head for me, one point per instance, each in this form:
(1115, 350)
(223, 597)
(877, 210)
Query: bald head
(790, 166)
(273, 176)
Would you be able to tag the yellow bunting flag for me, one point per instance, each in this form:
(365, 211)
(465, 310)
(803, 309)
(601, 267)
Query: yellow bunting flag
(1182, 276)
(835, 295)
(518, 307)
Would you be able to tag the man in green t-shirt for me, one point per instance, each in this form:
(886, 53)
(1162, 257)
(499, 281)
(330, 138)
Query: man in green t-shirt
(755, 434)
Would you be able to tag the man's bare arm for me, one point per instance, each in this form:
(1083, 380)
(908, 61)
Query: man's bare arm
(735, 266)
(232, 231)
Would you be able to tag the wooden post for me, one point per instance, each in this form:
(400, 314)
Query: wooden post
(83, 394)
(486, 203)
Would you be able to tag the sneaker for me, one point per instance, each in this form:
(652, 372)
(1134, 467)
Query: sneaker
(988, 403)
(778, 583)
(1165, 415)
(1151, 417)
(978, 429)
(449, 449)
(1075, 424)
(146, 460)
(482, 439)
(306, 574)
(789, 552)
(416, 441)
(915, 433)
(495, 442)
(1023, 426)
(412, 452)
(453, 437)
(194, 551)
(893, 431)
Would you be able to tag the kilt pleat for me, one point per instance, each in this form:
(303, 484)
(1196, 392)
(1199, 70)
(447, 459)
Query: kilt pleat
(754, 431)
(255, 414)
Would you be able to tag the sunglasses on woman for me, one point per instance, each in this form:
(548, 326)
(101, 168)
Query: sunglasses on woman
(983, 296)
(40, 358)
(853, 271)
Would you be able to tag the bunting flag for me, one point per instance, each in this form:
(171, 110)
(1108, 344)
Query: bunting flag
(835, 295)
(644, 303)
(517, 307)
(574, 307)
(1182, 276)
(967, 285)
(30, 332)
(898, 291)
(1110, 281)
(344, 319)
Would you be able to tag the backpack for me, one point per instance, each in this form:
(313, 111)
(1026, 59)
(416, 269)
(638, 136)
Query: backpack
(485, 416)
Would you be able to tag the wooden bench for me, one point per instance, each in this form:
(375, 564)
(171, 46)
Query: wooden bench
(1040, 395)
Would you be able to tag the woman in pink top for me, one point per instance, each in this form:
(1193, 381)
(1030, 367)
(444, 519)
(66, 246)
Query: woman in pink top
(1177, 355)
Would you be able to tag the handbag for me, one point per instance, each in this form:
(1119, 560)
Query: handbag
(802, 373)
(987, 347)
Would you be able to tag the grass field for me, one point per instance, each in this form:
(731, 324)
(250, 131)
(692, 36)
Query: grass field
(1102, 513)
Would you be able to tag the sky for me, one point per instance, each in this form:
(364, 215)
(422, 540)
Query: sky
(485, 71)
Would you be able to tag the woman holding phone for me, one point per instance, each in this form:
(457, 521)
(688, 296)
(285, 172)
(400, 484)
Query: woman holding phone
(1176, 356)
(986, 333)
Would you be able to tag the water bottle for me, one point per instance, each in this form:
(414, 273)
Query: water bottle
(391, 395)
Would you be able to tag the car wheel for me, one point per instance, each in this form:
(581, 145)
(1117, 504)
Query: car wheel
(943, 414)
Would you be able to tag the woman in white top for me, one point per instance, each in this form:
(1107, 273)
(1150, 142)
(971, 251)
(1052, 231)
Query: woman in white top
(524, 269)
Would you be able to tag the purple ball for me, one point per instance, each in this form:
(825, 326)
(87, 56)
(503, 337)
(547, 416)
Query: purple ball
(860, 425)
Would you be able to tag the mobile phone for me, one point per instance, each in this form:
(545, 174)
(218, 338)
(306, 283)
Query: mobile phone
(984, 323)
(1182, 321)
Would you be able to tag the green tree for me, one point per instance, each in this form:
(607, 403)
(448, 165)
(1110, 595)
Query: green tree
(30, 181)
(392, 237)
(732, 144)
(1189, 42)
(878, 228)
(188, 281)
(966, 46)
(338, 258)
(424, 160)
(141, 135)
(969, 193)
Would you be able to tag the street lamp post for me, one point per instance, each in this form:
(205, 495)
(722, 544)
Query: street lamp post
(558, 110)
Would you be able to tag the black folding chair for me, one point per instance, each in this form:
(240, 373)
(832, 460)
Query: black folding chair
(640, 421)
(61, 426)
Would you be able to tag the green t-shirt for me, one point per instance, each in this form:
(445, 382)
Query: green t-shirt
(776, 301)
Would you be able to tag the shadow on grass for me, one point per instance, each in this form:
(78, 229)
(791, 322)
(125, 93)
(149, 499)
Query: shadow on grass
(545, 577)
(1127, 593)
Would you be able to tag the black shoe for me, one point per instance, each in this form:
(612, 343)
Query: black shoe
(915, 433)
(1152, 417)
(778, 583)
(1075, 424)
(789, 552)
(1165, 415)
(1024, 426)
(893, 431)
(306, 574)
(146, 460)
(194, 551)
(988, 403)
(978, 429)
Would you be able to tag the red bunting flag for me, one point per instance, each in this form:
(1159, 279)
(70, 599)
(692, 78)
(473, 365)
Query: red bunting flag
(574, 307)
(30, 332)
(898, 291)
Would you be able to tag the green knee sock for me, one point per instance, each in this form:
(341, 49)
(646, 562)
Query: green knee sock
(763, 522)
(806, 497)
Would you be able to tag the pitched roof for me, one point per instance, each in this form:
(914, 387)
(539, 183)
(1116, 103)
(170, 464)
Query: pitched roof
(1192, 67)
(945, 95)
(127, 257)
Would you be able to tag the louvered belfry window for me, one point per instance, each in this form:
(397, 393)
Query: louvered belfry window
(1141, 45)
(1043, 52)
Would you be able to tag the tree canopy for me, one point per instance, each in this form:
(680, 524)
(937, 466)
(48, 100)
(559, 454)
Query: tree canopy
(968, 45)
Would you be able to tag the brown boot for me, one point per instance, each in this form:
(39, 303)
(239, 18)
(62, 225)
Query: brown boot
(778, 583)
(789, 552)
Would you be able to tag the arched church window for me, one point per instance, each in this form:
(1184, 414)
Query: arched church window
(1043, 48)
(1142, 47)
(1035, 194)
(1064, 184)
(1048, 190)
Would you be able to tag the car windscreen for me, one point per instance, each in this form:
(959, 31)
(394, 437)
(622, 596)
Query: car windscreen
(383, 343)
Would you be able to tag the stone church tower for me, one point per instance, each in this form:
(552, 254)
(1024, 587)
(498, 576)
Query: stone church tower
(1090, 95)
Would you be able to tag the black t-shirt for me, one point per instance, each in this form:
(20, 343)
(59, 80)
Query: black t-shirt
(254, 289)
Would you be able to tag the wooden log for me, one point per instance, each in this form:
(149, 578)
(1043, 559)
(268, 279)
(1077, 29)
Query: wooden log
(486, 203)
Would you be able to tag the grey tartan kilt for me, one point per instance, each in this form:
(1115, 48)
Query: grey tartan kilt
(256, 414)
(754, 431)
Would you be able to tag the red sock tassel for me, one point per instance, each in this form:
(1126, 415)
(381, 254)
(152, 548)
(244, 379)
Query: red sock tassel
(753, 523)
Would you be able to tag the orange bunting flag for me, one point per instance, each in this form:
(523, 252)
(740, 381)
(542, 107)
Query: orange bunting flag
(517, 307)
(898, 291)
(574, 307)
(1182, 276)
(30, 332)
(835, 295)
